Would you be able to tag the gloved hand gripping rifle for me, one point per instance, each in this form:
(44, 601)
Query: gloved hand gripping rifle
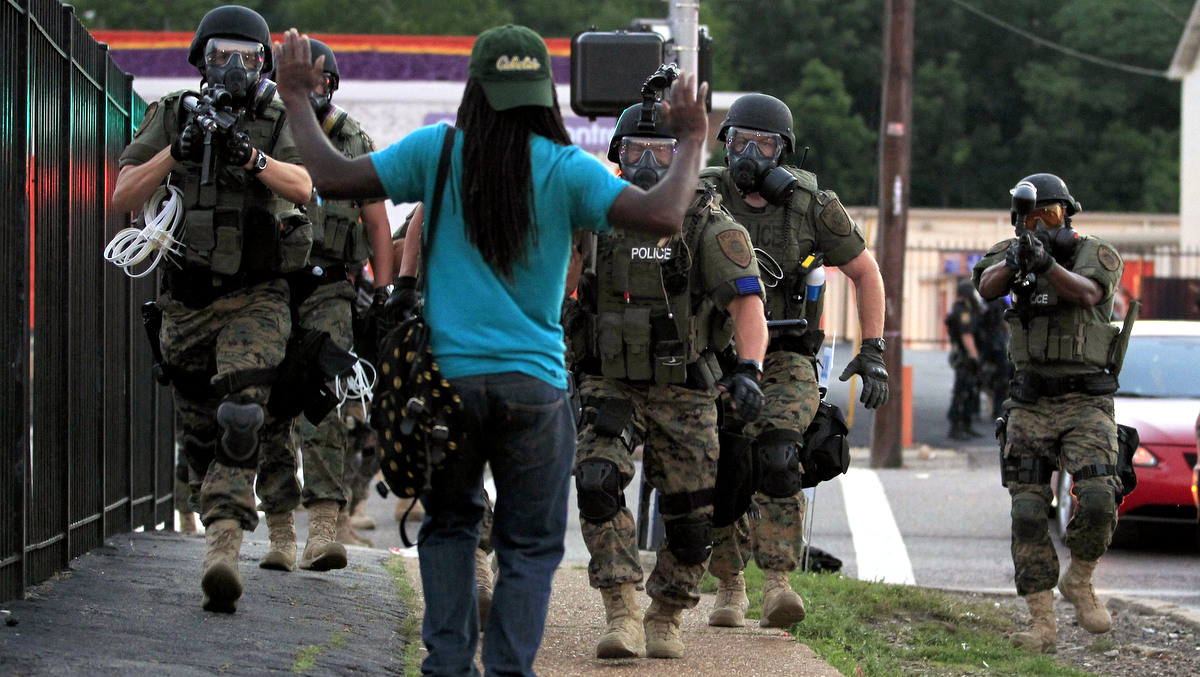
(213, 112)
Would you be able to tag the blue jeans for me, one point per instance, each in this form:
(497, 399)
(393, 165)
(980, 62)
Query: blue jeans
(523, 427)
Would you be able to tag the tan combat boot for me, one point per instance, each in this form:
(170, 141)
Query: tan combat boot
(321, 551)
(360, 518)
(221, 583)
(1042, 637)
(187, 522)
(782, 607)
(281, 553)
(484, 585)
(729, 611)
(623, 637)
(1076, 588)
(346, 535)
(663, 638)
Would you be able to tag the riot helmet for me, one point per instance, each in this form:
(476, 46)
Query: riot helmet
(232, 48)
(332, 117)
(1050, 215)
(966, 289)
(757, 133)
(643, 149)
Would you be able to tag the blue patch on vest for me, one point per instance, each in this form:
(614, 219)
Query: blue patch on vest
(748, 285)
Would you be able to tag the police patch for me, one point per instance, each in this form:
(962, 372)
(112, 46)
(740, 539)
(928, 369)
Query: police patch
(999, 247)
(836, 219)
(736, 246)
(150, 111)
(1109, 257)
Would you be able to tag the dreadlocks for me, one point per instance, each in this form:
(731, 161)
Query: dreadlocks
(497, 189)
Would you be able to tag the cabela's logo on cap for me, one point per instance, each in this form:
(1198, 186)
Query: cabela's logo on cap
(516, 63)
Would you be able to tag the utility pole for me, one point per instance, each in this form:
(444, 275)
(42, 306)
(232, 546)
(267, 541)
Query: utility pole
(895, 155)
(684, 18)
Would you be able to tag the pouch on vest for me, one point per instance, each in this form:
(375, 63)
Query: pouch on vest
(295, 242)
(337, 229)
(227, 254)
(198, 234)
(670, 352)
(635, 329)
(611, 345)
(826, 452)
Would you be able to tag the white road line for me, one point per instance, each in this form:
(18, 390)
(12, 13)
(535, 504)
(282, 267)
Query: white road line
(878, 546)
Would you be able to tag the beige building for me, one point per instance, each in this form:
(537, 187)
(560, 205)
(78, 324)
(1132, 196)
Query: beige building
(1184, 67)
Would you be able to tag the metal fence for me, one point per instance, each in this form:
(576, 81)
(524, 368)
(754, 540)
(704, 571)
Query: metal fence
(86, 438)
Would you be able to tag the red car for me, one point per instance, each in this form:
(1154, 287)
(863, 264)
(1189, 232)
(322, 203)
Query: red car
(1160, 396)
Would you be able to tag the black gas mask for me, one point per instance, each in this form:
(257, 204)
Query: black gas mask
(753, 159)
(236, 66)
(645, 160)
(331, 116)
(1051, 226)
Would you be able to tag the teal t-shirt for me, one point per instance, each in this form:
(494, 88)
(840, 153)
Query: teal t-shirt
(481, 322)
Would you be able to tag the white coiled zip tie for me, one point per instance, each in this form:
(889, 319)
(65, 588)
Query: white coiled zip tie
(359, 385)
(162, 216)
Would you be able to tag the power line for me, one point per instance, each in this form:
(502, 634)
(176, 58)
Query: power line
(1100, 61)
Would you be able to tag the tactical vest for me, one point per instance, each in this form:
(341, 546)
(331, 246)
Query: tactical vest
(777, 232)
(652, 317)
(1045, 329)
(236, 224)
(339, 236)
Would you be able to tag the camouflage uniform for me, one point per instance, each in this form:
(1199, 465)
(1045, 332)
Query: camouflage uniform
(225, 312)
(811, 222)
(1055, 345)
(671, 409)
(340, 248)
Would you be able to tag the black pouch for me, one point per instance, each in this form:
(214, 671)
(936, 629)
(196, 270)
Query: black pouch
(737, 478)
(1127, 444)
(312, 359)
(826, 452)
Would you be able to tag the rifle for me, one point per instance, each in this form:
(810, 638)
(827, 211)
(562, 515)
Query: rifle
(212, 111)
(1024, 197)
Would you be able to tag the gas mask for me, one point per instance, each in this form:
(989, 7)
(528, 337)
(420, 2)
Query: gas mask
(236, 65)
(331, 117)
(753, 156)
(1049, 225)
(645, 160)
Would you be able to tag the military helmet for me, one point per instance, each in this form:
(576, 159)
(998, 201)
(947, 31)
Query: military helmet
(762, 112)
(966, 288)
(320, 49)
(627, 125)
(231, 21)
(1050, 189)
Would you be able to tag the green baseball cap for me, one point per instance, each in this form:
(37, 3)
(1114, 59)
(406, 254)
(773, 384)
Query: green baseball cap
(513, 66)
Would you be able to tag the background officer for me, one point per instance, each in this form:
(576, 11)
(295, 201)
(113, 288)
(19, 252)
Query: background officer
(660, 312)
(963, 327)
(796, 228)
(345, 234)
(225, 311)
(992, 342)
(1060, 411)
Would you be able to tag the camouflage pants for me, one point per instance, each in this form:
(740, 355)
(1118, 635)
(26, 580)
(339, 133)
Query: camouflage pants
(775, 536)
(1075, 431)
(679, 458)
(244, 330)
(323, 446)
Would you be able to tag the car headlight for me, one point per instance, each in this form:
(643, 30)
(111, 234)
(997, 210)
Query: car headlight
(1143, 458)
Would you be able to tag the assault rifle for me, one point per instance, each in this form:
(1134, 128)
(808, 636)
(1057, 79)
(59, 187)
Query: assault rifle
(213, 112)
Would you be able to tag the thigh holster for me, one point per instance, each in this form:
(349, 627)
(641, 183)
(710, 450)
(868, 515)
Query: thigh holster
(611, 417)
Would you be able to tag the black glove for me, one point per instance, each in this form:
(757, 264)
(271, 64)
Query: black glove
(189, 145)
(404, 301)
(1012, 257)
(744, 391)
(1034, 255)
(868, 364)
(237, 150)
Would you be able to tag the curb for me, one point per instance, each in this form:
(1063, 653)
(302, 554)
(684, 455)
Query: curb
(1153, 607)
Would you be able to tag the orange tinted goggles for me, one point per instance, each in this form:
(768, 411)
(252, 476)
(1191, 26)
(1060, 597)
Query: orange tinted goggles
(1052, 215)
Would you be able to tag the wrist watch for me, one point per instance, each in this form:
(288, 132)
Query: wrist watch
(750, 361)
(876, 343)
(260, 163)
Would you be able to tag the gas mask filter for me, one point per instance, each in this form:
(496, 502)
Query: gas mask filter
(645, 160)
(331, 117)
(753, 154)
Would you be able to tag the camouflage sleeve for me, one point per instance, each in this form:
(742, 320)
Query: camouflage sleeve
(727, 261)
(151, 136)
(1098, 260)
(838, 236)
(992, 257)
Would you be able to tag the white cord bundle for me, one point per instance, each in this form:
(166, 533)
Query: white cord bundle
(359, 385)
(162, 216)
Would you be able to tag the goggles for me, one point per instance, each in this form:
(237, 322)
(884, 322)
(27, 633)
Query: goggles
(769, 144)
(219, 51)
(634, 148)
(1052, 215)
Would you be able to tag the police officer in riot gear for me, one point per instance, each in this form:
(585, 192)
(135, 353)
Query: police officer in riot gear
(962, 327)
(225, 318)
(345, 234)
(796, 228)
(660, 312)
(1060, 407)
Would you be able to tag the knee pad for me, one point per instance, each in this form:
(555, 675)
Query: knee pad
(598, 484)
(779, 459)
(689, 539)
(240, 424)
(1029, 515)
(1096, 505)
(198, 454)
